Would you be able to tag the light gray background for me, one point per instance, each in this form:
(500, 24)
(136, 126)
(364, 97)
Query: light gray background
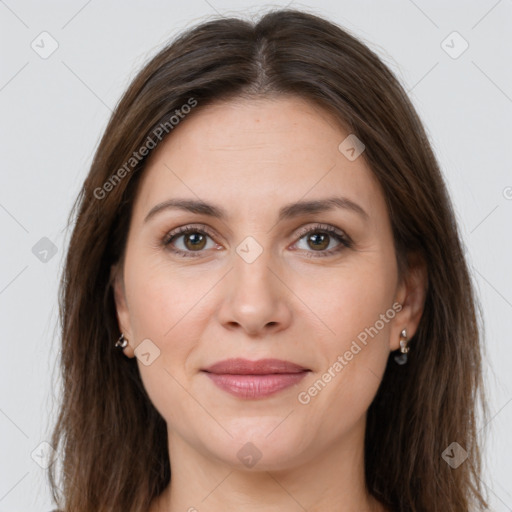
(54, 110)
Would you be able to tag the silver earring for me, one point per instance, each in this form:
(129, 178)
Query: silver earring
(122, 342)
(404, 342)
(404, 348)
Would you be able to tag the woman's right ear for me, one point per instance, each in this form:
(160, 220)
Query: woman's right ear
(122, 311)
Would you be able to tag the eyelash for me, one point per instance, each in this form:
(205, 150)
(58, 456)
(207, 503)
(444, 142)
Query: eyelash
(344, 240)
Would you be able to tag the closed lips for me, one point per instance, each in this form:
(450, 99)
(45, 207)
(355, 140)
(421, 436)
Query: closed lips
(252, 380)
(239, 366)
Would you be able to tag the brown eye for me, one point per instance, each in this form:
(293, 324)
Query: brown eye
(194, 241)
(318, 241)
(188, 240)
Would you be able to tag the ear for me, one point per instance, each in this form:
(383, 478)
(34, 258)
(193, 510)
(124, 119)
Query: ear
(122, 312)
(411, 293)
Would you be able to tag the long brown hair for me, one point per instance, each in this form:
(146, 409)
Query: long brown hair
(111, 441)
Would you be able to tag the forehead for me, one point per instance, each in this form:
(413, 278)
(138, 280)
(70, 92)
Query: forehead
(249, 153)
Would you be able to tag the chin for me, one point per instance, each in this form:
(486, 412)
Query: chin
(259, 444)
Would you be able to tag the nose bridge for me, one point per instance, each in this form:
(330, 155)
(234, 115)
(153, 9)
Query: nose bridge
(255, 297)
(252, 275)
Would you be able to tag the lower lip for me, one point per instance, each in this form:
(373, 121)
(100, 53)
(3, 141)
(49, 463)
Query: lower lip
(255, 386)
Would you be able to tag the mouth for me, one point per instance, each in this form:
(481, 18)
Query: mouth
(255, 379)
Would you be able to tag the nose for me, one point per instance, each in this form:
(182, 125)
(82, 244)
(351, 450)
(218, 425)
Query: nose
(255, 298)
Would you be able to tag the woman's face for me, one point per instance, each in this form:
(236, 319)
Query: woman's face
(259, 277)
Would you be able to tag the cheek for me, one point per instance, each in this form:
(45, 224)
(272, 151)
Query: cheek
(354, 360)
(358, 312)
(351, 301)
(162, 310)
(161, 297)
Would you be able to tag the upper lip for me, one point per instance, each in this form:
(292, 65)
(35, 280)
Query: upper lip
(240, 366)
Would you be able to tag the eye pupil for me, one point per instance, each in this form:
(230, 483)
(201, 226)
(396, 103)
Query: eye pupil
(319, 240)
(196, 239)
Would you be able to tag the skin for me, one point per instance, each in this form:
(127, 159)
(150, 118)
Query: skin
(251, 157)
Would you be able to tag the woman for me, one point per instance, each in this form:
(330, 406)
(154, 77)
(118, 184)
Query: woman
(265, 304)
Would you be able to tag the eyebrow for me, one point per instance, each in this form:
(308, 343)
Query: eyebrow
(288, 211)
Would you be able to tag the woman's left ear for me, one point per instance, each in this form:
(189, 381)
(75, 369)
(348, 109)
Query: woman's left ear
(411, 294)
